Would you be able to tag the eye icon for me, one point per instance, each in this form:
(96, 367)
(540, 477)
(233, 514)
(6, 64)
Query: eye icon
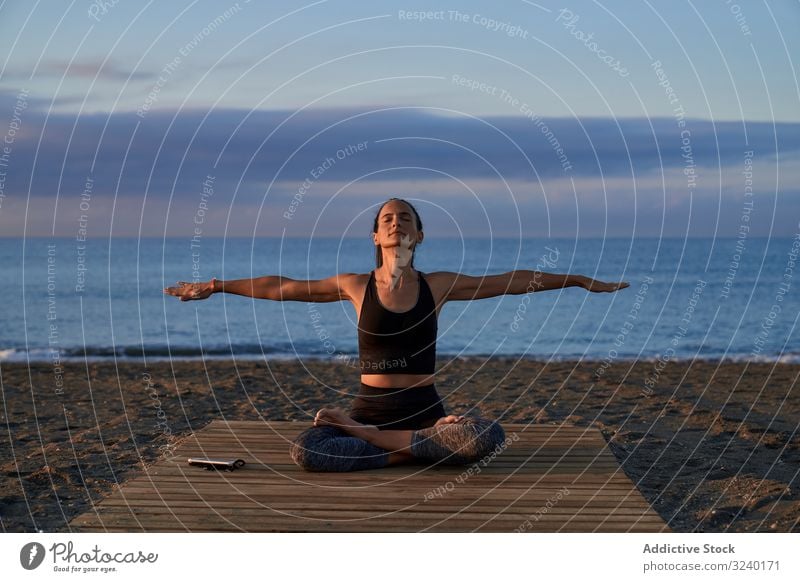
(31, 555)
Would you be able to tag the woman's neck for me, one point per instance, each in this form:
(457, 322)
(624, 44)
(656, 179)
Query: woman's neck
(396, 267)
(397, 275)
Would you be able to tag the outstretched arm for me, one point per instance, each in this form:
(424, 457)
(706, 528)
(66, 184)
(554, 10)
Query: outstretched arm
(274, 287)
(465, 287)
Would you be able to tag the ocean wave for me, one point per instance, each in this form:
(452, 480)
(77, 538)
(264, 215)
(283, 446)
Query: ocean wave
(309, 352)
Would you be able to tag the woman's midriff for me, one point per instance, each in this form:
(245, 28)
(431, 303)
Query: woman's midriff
(401, 408)
(398, 380)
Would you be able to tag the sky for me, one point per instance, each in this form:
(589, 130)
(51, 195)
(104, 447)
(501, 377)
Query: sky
(579, 118)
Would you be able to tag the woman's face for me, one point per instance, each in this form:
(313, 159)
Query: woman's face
(397, 226)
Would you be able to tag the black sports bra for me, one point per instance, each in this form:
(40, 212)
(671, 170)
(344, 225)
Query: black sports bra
(397, 343)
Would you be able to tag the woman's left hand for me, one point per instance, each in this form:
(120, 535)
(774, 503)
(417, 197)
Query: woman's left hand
(191, 291)
(450, 419)
(601, 287)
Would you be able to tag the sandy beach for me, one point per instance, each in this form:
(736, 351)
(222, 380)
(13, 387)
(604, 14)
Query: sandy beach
(713, 447)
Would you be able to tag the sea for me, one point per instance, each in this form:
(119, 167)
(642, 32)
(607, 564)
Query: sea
(689, 298)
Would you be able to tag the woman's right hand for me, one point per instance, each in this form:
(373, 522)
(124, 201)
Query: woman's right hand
(191, 291)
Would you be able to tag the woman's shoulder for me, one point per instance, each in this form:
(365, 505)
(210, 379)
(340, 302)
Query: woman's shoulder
(439, 281)
(439, 275)
(354, 275)
(354, 278)
(353, 284)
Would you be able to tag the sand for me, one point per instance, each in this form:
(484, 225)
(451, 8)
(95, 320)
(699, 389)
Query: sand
(713, 447)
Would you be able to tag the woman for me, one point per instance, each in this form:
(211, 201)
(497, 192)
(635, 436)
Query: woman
(397, 416)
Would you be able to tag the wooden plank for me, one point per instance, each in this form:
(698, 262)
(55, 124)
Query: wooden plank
(341, 505)
(456, 522)
(524, 498)
(586, 511)
(552, 478)
(332, 528)
(286, 520)
(507, 473)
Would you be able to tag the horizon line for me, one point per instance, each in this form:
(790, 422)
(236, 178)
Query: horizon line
(276, 237)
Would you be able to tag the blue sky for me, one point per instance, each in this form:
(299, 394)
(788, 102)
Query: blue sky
(540, 119)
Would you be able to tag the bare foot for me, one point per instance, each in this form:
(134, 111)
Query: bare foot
(339, 418)
(396, 458)
(451, 419)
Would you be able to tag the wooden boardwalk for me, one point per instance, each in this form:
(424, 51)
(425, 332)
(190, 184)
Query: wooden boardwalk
(549, 479)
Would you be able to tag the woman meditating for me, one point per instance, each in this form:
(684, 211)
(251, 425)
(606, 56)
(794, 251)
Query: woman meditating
(397, 415)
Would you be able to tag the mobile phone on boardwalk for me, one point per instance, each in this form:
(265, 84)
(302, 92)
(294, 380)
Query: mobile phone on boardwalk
(217, 464)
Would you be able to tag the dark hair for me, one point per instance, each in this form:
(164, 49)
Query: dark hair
(378, 251)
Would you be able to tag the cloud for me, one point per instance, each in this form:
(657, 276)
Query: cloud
(90, 69)
(267, 156)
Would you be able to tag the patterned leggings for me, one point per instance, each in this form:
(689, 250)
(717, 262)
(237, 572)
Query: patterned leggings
(328, 448)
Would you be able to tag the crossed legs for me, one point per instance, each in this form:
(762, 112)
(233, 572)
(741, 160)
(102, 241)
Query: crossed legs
(336, 442)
